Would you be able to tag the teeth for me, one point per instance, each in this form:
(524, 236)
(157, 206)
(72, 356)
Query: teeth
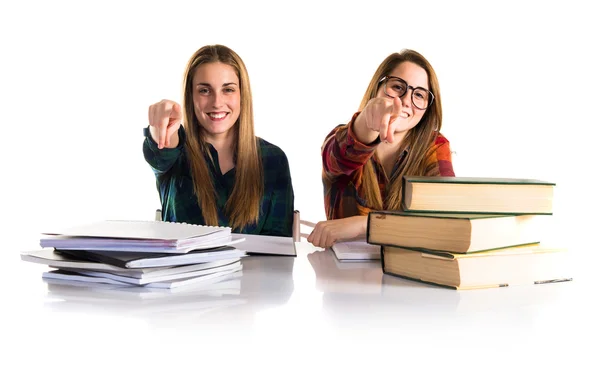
(404, 115)
(217, 115)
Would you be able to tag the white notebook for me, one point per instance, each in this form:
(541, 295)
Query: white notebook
(119, 235)
(67, 275)
(194, 271)
(150, 230)
(58, 260)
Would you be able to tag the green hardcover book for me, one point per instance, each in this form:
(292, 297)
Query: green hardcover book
(476, 195)
(454, 233)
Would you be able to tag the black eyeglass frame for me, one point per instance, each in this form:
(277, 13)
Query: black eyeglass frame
(386, 78)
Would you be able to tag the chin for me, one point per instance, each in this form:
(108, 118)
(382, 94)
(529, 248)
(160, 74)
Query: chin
(218, 130)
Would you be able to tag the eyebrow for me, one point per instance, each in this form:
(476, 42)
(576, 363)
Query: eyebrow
(225, 84)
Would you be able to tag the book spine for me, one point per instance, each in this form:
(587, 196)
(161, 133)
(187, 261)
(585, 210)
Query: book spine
(403, 195)
(369, 227)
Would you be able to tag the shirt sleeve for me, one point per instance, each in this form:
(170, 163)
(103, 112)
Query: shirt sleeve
(162, 160)
(439, 162)
(280, 215)
(343, 153)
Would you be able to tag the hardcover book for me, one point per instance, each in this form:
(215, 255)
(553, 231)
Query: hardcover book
(477, 195)
(520, 265)
(456, 233)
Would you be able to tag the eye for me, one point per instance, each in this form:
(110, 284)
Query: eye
(229, 90)
(421, 94)
(398, 87)
(203, 91)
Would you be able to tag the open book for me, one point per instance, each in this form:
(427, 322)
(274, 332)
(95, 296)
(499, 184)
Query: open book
(264, 244)
(356, 250)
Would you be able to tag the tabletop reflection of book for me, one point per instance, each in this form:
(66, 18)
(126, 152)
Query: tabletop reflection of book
(333, 275)
(104, 298)
(356, 290)
(263, 282)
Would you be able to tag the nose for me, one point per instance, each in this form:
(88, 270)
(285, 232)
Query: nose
(407, 97)
(218, 100)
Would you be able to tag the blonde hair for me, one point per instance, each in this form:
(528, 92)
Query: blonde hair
(419, 138)
(243, 205)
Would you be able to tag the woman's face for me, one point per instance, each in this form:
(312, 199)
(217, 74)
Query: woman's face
(415, 76)
(216, 96)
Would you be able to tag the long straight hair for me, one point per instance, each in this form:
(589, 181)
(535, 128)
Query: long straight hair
(243, 205)
(419, 139)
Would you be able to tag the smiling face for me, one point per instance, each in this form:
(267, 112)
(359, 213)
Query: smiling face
(415, 76)
(216, 89)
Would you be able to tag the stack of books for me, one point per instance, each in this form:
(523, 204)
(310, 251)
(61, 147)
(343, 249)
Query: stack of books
(470, 232)
(152, 254)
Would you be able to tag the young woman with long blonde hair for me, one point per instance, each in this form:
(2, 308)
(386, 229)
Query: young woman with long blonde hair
(395, 133)
(210, 168)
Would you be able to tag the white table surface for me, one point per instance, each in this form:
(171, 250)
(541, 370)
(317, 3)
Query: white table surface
(298, 318)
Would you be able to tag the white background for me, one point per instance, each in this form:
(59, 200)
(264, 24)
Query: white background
(518, 82)
(518, 79)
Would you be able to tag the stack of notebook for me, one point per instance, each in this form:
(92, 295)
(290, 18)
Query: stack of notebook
(152, 254)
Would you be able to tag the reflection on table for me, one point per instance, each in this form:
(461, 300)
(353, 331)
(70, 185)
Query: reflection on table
(264, 282)
(359, 292)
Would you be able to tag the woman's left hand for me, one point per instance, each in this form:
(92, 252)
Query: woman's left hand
(326, 233)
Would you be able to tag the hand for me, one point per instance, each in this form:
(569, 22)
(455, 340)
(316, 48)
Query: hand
(382, 116)
(326, 233)
(164, 119)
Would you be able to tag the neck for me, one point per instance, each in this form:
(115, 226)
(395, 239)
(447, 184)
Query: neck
(385, 149)
(222, 142)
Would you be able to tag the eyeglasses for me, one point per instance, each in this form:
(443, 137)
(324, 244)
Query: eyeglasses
(397, 87)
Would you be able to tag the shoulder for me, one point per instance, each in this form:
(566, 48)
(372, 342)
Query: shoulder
(274, 161)
(441, 140)
(440, 145)
(269, 149)
(271, 155)
(440, 149)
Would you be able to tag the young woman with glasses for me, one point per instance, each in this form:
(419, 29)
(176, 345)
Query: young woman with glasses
(396, 132)
(210, 168)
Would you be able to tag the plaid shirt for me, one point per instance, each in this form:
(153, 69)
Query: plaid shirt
(344, 157)
(180, 204)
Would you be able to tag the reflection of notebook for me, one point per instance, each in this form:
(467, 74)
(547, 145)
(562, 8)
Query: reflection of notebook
(228, 284)
(357, 250)
(189, 303)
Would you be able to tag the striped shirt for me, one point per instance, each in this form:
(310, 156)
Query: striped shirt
(344, 157)
(180, 204)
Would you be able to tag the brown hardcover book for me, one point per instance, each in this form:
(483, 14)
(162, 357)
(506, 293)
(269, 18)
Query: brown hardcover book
(520, 265)
(477, 195)
(456, 233)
